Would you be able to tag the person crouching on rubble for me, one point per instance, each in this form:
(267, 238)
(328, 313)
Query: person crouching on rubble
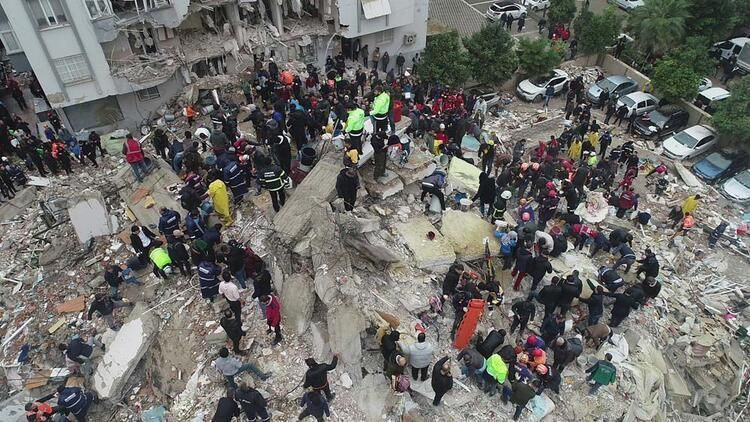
(105, 306)
(160, 259)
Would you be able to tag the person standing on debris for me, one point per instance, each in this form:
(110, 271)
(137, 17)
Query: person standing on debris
(627, 200)
(485, 193)
(355, 125)
(230, 367)
(179, 253)
(112, 277)
(219, 195)
(196, 226)
(571, 289)
(595, 304)
(523, 312)
(495, 374)
(375, 57)
(602, 373)
(379, 111)
(253, 404)
(508, 243)
(168, 222)
(272, 178)
(442, 379)
(232, 325)
(420, 356)
(550, 295)
(105, 306)
(624, 303)
(273, 316)
(566, 351)
(208, 272)
(314, 405)
(433, 184)
(347, 184)
(78, 353)
(226, 409)
(235, 178)
(231, 293)
(161, 143)
(690, 204)
(316, 376)
(520, 394)
(385, 60)
(133, 153)
(73, 400)
(538, 268)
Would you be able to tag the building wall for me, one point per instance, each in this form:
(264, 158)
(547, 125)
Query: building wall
(135, 110)
(350, 13)
(19, 62)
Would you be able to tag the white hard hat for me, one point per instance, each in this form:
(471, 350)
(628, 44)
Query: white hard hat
(506, 194)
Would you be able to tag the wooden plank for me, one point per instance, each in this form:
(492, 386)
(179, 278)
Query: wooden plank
(74, 305)
(40, 379)
(56, 326)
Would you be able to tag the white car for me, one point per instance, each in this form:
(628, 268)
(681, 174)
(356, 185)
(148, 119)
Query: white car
(508, 7)
(705, 84)
(707, 99)
(738, 187)
(536, 5)
(628, 4)
(728, 48)
(533, 89)
(689, 143)
(638, 102)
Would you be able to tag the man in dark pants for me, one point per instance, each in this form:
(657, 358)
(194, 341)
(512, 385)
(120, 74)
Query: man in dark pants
(595, 304)
(379, 144)
(347, 184)
(433, 184)
(620, 115)
(549, 296)
(231, 293)
(520, 394)
(233, 327)
(273, 178)
(460, 303)
(253, 404)
(316, 376)
(442, 380)
(523, 312)
(226, 409)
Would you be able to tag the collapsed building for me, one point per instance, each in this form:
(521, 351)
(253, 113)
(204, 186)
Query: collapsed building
(107, 64)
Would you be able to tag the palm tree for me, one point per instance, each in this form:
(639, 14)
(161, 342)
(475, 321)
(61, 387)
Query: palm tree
(659, 25)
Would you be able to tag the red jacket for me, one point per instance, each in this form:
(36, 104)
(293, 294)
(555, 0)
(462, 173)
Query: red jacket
(273, 312)
(132, 150)
(627, 200)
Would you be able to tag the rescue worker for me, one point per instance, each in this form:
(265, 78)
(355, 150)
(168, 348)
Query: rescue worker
(433, 184)
(347, 184)
(380, 107)
(168, 222)
(253, 404)
(208, 272)
(134, 156)
(179, 253)
(500, 206)
(355, 125)
(160, 259)
(235, 178)
(217, 191)
(316, 376)
(73, 400)
(272, 178)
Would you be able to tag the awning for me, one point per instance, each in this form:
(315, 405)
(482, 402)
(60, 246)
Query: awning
(376, 8)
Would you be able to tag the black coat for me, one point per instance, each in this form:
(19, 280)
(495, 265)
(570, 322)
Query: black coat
(346, 186)
(262, 284)
(317, 376)
(524, 310)
(226, 410)
(441, 383)
(178, 252)
(539, 266)
(549, 295)
(486, 192)
(135, 241)
(233, 327)
(595, 303)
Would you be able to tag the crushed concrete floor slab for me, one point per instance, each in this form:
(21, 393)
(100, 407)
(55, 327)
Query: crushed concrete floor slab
(17, 205)
(428, 254)
(467, 232)
(156, 183)
(126, 350)
(90, 218)
(463, 177)
(384, 187)
(456, 397)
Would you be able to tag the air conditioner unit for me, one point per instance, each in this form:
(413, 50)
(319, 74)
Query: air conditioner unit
(410, 38)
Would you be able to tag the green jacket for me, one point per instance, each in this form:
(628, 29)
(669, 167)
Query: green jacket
(247, 87)
(497, 368)
(604, 372)
(356, 120)
(160, 257)
(381, 103)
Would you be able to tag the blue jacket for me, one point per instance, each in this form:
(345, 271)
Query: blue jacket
(169, 222)
(74, 400)
(195, 226)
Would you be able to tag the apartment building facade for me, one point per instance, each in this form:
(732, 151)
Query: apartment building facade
(110, 64)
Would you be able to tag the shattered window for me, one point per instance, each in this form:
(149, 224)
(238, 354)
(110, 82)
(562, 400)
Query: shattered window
(148, 94)
(47, 12)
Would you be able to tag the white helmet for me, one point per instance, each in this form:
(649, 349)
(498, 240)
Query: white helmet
(506, 194)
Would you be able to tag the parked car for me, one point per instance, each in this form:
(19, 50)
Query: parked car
(708, 98)
(725, 49)
(627, 4)
(689, 143)
(638, 102)
(490, 96)
(705, 84)
(662, 122)
(617, 85)
(738, 187)
(719, 165)
(497, 9)
(533, 89)
(536, 5)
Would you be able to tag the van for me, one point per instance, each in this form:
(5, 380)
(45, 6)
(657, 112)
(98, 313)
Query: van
(707, 99)
(728, 48)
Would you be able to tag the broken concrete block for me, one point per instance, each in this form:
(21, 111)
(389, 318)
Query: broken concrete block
(428, 254)
(321, 348)
(297, 300)
(376, 254)
(383, 187)
(345, 323)
(463, 176)
(122, 356)
(367, 225)
(217, 336)
(371, 396)
(156, 182)
(466, 232)
(96, 282)
(330, 260)
(293, 220)
(15, 206)
(346, 381)
(419, 166)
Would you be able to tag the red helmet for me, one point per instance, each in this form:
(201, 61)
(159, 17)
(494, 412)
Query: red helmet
(524, 166)
(537, 353)
(531, 339)
(550, 185)
(552, 194)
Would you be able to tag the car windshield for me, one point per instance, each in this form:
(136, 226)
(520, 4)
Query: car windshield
(703, 100)
(541, 81)
(744, 178)
(607, 84)
(685, 139)
(657, 119)
(719, 161)
(628, 101)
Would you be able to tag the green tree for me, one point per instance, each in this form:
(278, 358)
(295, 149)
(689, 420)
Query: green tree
(732, 116)
(659, 25)
(561, 12)
(444, 60)
(491, 55)
(713, 19)
(675, 80)
(596, 32)
(537, 57)
(694, 53)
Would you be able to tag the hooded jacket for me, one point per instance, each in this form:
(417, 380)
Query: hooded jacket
(317, 373)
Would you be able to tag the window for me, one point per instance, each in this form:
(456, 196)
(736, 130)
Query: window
(384, 37)
(10, 42)
(148, 94)
(375, 8)
(73, 69)
(47, 12)
(98, 8)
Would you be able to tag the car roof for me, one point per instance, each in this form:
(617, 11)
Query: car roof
(715, 93)
(618, 79)
(739, 40)
(640, 95)
(560, 72)
(669, 109)
(503, 3)
(700, 131)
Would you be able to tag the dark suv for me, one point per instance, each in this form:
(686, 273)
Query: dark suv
(661, 123)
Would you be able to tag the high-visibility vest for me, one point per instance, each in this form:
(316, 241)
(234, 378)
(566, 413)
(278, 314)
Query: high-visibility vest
(380, 105)
(133, 151)
(160, 257)
(355, 121)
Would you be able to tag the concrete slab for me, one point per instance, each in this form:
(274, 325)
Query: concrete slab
(372, 395)
(345, 323)
(463, 177)
(321, 349)
(156, 182)
(331, 261)
(384, 187)
(12, 409)
(122, 356)
(17, 205)
(428, 254)
(297, 300)
(293, 220)
(90, 218)
(457, 397)
(466, 232)
(419, 166)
